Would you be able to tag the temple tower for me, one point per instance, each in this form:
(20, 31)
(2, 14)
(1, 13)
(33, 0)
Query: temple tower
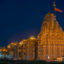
(51, 45)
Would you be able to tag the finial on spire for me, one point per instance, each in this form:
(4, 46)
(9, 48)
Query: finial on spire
(54, 4)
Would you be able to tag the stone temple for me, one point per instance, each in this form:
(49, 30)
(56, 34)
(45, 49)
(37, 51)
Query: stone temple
(51, 39)
(49, 45)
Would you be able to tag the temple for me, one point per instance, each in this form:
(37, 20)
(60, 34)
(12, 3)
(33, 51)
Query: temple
(49, 44)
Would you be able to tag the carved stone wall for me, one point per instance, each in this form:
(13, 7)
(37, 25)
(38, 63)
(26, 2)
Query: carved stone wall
(51, 45)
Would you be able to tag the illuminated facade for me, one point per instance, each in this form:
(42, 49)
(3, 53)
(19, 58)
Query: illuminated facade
(13, 50)
(51, 44)
(3, 52)
(28, 49)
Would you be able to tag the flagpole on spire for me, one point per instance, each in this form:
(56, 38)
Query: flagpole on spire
(54, 5)
(56, 9)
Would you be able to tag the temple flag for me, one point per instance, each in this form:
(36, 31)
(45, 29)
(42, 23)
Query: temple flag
(56, 9)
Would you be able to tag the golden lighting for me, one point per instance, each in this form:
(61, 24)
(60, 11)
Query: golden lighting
(21, 43)
(4, 50)
(32, 38)
(13, 44)
(0, 50)
(25, 40)
(8, 46)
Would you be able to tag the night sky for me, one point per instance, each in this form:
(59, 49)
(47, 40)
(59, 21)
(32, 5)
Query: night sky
(20, 19)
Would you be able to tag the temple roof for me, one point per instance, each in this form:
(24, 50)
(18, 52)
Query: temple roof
(50, 23)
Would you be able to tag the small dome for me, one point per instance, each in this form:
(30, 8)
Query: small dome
(32, 37)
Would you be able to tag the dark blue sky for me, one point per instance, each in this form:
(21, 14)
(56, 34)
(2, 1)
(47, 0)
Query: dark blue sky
(20, 19)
